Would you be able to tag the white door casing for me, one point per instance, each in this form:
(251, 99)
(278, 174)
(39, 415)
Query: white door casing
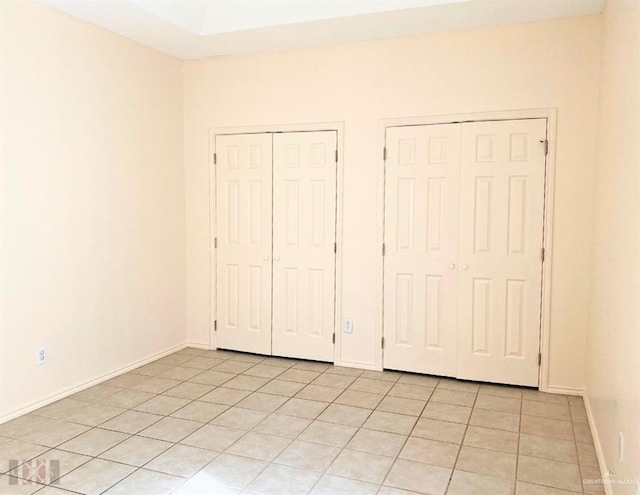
(244, 240)
(500, 250)
(304, 236)
(421, 244)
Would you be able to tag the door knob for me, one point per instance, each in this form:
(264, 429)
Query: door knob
(452, 266)
(266, 258)
(464, 267)
(276, 258)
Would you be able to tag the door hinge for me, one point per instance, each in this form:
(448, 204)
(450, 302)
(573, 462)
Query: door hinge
(384, 153)
(384, 249)
(382, 343)
(336, 156)
(542, 255)
(333, 339)
(215, 325)
(539, 358)
(215, 243)
(215, 158)
(546, 146)
(335, 247)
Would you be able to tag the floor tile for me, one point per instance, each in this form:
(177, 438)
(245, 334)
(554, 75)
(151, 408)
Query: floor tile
(298, 375)
(592, 480)
(454, 397)
(282, 425)
(492, 463)
(495, 419)
(443, 431)
(265, 371)
(282, 387)
(203, 363)
(459, 385)
(238, 417)
(355, 398)
(578, 414)
(52, 432)
(94, 414)
(302, 408)
(16, 486)
(156, 385)
(189, 390)
(388, 490)
(180, 373)
(587, 455)
(213, 437)
(418, 477)
(548, 448)
(95, 476)
(319, 393)
(161, 404)
(152, 369)
(136, 451)
(282, 480)
(262, 402)
(225, 396)
(145, 482)
(170, 429)
(182, 460)
(200, 411)
(94, 442)
(447, 412)
(491, 439)
(549, 473)
(546, 410)
(345, 371)
(61, 409)
(361, 466)
(337, 485)
(377, 442)
(345, 415)
(400, 405)
(307, 455)
(246, 382)
(19, 451)
(131, 422)
(501, 390)
(417, 379)
(337, 435)
(333, 380)
(390, 422)
(498, 403)
(233, 366)
(544, 397)
(66, 462)
(259, 446)
(96, 393)
(385, 375)
(213, 378)
(430, 452)
(465, 483)
(546, 427)
(126, 380)
(582, 433)
(233, 471)
(312, 366)
(523, 488)
(373, 386)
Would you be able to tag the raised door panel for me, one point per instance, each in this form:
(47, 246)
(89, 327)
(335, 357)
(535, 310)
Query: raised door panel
(501, 237)
(304, 234)
(243, 229)
(421, 230)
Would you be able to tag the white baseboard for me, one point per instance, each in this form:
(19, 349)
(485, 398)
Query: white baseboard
(596, 443)
(90, 383)
(199, 345)
(565, 390)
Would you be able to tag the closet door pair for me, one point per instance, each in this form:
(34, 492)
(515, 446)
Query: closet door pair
(464, 207)
(275, 244)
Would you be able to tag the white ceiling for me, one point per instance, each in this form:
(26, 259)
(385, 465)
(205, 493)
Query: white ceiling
(190, 29)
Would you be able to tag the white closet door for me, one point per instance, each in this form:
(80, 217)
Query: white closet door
(501, 228)
(421, 244)
(304, 233)
(243, 219)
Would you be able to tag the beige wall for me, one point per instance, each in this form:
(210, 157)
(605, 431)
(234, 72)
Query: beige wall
(92, 199)
(613, 351)
(538, 65)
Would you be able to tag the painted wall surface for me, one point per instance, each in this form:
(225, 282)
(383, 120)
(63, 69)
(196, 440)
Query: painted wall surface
(92, 203)
(613, 341)
(552, 64)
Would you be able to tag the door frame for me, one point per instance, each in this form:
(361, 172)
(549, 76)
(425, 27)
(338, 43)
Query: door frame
(338, 127)
(550, 114)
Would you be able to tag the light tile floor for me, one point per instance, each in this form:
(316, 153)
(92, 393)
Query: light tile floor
(221, 422)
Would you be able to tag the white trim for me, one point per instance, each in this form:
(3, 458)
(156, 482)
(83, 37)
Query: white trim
(199, 345)
(541, 113)
(597, 444)
(90, 383)
(338, 127)
(565, 391)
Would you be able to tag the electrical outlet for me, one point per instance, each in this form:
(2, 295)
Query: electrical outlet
(41, 355)
(348, 325)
